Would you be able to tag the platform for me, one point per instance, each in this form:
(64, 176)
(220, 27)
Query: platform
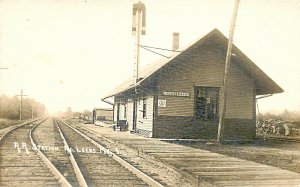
(207, 168)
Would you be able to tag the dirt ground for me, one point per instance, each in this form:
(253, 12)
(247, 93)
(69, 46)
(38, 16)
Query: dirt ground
(282, 155)
(6, 123)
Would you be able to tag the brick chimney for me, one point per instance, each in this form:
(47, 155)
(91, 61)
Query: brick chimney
(175, 41)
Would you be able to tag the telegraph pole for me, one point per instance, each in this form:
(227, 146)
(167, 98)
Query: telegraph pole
(227, 67)
(22, 95)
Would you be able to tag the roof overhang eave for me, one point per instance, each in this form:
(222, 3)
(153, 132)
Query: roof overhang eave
(270, 92)
(121, 92)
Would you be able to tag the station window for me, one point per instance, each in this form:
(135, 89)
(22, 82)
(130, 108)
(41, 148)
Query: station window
(206, 102)
(144, 108)
(118, 111)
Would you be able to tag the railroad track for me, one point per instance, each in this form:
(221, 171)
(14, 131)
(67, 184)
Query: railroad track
(287, 139)
(8, 129)
(52, 153)
(47, 138)
(100, 166)
(23, 165)
(131, 160)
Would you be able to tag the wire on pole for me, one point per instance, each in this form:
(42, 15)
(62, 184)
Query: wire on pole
(154, 52)
(145, 46)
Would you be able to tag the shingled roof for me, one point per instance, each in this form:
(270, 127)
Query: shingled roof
(263, 83)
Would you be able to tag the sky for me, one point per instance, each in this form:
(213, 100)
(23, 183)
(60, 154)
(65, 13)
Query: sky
(71, 53)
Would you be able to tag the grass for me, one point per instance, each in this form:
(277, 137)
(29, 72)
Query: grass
(6, 123)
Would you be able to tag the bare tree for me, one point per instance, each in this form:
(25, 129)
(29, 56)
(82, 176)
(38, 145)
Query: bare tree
(10, 108)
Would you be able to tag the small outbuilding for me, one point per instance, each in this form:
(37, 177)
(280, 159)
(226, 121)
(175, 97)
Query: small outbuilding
(179, 97)
(102, 114)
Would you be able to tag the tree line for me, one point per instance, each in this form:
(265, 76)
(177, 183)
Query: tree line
(10, 108)
(286, 115)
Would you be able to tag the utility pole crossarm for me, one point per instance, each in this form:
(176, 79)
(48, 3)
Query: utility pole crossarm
(21, 105)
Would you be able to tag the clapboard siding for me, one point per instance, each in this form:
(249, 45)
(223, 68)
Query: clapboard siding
(200, 65)
(240, 95)
(176, 106)
(236, 129)
(184, 127)
(129, 115)
(205, 69)
(145, 123)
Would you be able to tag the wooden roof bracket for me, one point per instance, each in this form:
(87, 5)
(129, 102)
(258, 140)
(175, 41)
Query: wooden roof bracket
(264, 96)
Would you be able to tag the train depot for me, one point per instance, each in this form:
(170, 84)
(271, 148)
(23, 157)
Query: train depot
(179, 97)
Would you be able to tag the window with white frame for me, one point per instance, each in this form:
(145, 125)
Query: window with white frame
(144, 108)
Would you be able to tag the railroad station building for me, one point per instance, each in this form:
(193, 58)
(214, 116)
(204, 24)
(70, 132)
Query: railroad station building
(179, 97)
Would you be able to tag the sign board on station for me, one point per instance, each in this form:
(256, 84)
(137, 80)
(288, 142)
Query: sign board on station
(162, 103)
(175, 94)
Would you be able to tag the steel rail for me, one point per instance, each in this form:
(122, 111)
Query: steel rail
(149, 180)
(17, 126)
(75, 166)
(62, 180)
